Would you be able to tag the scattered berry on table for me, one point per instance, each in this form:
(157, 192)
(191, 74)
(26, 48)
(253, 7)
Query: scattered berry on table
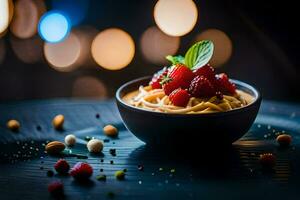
(95, 146)
(58, 122)
(101, 177)
(120, 175)
(284, 140)
(110, 131)
(13, 125)
(56, 189)
(38, 127)
(97, 115)
(179, 97)
(179, 77)
(62, 166)
(111, 162)
(81, 171)
(201, 87)
(50, 173)
(112, 152)
(70, 140)
(267, 160)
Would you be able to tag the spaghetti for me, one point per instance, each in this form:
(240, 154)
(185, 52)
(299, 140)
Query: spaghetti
(156, 100)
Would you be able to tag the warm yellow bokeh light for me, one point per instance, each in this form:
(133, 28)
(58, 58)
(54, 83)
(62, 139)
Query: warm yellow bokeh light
(113, 49)
(222, 46)
(64, 56)
(175, 17)
(27, 50)
(89, 87)
(2, 51)
(156, 45)
(6, 13)
(26, 17)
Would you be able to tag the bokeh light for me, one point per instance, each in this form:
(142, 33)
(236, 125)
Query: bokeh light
(222, 46)
(86, 35)
(6, 13)
(76, 10)
(2, 50)
(113, 49)
(27, 50)
(89, 87)
(63, 56)
(175, 17)
(54, 27)
(26, 16)
(155, 45)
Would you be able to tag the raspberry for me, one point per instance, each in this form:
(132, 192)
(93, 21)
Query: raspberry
(201, 87)
(179, 77)
(81, 171)
(267, 160)
(62, 166)
(157, 78)
(224, 85)
(179, 97)
(206, 71)
(56, 188)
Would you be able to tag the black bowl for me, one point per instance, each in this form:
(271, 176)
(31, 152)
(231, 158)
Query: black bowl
(166, 129)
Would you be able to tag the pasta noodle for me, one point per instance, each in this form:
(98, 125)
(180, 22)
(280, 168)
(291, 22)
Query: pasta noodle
(156, 100)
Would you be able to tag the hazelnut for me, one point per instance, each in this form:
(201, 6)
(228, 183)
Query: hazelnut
(13, 125)
(267, 160)
(95, 146)
(284, 140)
(70, 140)
(110, 131)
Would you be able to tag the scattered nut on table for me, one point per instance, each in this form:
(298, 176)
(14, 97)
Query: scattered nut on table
(70, 140)
(54, 147)
(13, 125)
(110, 130)
(58, 122)
(95, 146)
(284, 140)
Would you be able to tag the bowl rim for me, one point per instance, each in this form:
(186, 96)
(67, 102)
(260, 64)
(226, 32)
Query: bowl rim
(237, 82)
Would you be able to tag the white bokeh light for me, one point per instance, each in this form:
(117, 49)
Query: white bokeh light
(176, 17)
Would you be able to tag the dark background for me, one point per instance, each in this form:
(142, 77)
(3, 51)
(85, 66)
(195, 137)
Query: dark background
(264, 35)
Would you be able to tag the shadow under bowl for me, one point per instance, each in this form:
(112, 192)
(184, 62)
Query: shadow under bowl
(176, 130)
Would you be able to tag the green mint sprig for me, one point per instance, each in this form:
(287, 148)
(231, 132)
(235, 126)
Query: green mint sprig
(196, 57)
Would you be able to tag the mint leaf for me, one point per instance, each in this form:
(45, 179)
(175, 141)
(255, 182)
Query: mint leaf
(175, 59)
(199, 54)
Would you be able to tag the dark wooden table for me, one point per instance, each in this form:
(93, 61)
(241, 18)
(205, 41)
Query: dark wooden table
(232, 173)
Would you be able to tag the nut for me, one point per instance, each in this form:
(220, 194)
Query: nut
(13, 125)
(284, 140)
(95, 146)
(58, 122)
(110, 131)
(70, 140)
(54, 147)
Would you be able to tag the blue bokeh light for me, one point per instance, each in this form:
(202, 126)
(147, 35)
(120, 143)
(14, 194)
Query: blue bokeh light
(54, 27)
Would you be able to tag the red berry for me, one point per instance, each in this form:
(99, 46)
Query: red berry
(81, 171)
(206, 71)
(224, 85)
(267, 160)
(157, 78)
(56, 188)
(62, 166)
(179, 77)
(201, 87)
(179, 97)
